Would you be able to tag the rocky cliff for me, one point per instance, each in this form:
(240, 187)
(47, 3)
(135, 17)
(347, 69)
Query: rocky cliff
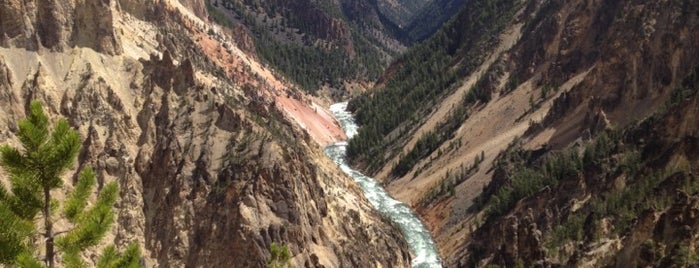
(216, 158)
(520, 129)
(59, 25)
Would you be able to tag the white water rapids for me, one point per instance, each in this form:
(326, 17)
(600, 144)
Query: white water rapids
(421, 244)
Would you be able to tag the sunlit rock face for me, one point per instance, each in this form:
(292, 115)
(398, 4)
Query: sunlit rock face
(212, 168)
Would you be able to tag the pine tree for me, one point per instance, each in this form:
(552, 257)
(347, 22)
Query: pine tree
(34, 172)
(281, 257)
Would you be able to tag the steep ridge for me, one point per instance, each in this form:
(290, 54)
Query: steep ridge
(203, 141)
(466, 127)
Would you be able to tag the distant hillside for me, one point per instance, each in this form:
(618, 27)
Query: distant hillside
(402, 12)
(327, 43)
(314, 43)
(430, 18)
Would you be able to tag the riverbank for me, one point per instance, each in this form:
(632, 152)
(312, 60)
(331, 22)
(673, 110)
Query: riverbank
(422, 245)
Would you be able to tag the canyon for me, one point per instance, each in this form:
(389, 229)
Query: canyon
(217, 158)
(510, 132)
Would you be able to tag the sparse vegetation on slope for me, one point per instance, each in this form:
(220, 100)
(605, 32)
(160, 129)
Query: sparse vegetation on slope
(617, 187)
(573, 79)
(435, 138)
(422, 76)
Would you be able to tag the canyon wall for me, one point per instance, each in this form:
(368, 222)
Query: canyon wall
(212, 166)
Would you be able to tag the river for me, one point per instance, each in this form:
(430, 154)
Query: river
(421, 244)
